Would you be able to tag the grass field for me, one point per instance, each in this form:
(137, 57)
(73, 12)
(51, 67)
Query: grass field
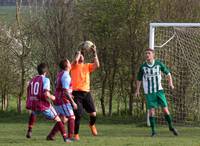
(7, 14)
(112, 132)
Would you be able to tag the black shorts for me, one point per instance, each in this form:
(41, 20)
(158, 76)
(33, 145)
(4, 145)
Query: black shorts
(85, 101)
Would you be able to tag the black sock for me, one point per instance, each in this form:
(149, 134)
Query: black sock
(92, 120)
(77, 124)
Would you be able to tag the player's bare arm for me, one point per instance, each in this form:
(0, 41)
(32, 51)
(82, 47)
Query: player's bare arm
(138, 84)
(70, 97)
(49, 95)
(170, 81)
(96, 59)
(73, 104)
(77, 57)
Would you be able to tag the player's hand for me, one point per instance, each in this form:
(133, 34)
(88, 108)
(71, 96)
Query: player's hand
(78, 52)
(94, 49)
(75, 106)
(53, 97)
(171, 86)
(137, 93)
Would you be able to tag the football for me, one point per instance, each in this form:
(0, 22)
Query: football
(87, 45)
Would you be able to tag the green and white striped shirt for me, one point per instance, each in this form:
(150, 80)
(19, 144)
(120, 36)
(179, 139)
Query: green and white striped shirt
(150, 75)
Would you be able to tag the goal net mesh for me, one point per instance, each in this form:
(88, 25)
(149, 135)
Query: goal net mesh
(179, 49)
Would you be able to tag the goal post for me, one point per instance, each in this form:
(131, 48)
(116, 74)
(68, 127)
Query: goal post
(154, 25)
(178, 45)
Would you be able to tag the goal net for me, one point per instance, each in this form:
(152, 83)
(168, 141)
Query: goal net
(178, 46)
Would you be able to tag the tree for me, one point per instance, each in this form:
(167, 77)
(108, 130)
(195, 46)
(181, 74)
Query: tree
(55, 33)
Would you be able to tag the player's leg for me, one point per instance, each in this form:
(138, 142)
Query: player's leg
(62, 129)
(78, 113)
(89, 106)
(92, 124)
(55, 129)
(163, 102)
(71, 126)
(32, 119)
(69, 113)
(67, 116)
(152, 120)
(168, 118)
(152, 103)
(51, 114)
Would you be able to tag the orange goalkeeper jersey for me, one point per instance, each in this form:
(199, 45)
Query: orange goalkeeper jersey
(80, 75)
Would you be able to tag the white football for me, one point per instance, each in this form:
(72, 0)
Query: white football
(88, 45)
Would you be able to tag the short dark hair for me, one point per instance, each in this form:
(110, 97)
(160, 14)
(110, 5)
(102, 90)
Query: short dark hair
(82, 52)
(42, 68)
(150, 49)
(63, 64)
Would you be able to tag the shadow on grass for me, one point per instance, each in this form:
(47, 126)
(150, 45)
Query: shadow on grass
(116, 127)
(13, 117)
(11, 141)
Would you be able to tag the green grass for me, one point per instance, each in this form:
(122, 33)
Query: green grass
(112, 132)
(7, 14)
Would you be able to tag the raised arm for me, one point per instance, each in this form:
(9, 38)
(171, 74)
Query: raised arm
(96, 59)
(77, 57)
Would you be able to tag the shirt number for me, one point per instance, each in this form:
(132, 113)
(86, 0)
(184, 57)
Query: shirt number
(35, 88)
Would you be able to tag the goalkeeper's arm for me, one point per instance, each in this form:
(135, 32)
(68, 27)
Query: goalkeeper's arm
(77, 57)
(96, 59)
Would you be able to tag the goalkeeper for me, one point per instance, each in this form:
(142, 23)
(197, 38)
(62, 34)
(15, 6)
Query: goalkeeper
(150, 75)
(80, 74)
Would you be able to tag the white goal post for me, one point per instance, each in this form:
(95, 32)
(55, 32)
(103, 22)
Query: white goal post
(154, 25)
(152, 36)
